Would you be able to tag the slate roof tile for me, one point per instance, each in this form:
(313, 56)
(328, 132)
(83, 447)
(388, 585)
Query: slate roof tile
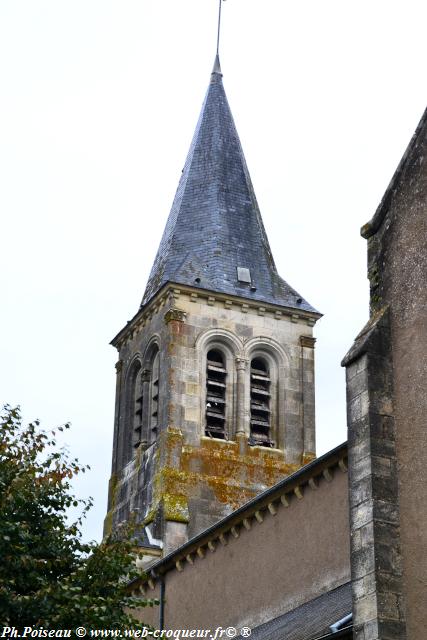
(310, 620)
(215, 225)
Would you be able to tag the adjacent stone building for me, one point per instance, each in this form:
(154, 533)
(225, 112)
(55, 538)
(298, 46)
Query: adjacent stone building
(214, 456)
(387, 409)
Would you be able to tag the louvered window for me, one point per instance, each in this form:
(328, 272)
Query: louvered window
(154, 396)
(260, 403)
(216, 384)
(138, 402)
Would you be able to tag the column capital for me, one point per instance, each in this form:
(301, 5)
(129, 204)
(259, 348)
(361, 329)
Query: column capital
(173, 314)
(307, 341)
(119, 366)
(241, 363)
(145, 375)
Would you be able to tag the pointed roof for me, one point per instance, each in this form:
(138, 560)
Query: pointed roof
(214, 229)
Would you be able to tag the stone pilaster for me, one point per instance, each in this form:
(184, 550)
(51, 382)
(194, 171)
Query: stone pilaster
(376, 563)
(116, 443)
(307, 386)
(174, 319)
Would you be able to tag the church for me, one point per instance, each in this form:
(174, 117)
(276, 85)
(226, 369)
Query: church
(239, 525)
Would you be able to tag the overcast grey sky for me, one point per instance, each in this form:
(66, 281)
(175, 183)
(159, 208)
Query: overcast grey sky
(98, 103)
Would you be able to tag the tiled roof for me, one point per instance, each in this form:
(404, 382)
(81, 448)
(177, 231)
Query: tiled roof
(215, 226)
(309, 621)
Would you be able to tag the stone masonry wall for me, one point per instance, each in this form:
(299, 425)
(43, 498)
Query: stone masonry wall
(185, 477)
(376, 562)
(387, 407)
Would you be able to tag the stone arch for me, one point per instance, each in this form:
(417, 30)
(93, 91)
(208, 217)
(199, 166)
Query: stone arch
(278, 361)
(152, 390)
(221, 336)
(230, 346)
(131, 419)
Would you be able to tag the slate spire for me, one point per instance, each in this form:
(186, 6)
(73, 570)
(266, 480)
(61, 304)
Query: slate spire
(214, 237)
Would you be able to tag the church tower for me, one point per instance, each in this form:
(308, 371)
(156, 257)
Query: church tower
(215, 376)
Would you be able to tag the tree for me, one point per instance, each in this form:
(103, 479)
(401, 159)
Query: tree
(48, 576)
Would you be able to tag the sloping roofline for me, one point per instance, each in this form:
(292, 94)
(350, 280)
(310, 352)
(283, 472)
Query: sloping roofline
(371, 227)
(289, 486)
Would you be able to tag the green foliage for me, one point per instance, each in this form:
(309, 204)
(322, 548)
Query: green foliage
(48, 576)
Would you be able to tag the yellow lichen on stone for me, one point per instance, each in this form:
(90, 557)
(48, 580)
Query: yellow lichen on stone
(308, 457)
(184, 473)
(175, 508)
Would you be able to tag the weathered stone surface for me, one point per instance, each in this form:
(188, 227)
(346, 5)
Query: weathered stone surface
(180, 475)
(387, 404)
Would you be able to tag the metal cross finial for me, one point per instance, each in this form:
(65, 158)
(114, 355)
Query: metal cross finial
(219, 26)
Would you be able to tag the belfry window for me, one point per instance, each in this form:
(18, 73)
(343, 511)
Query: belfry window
(154, 396)
(137, 407)
(216, 376)
(260, 403)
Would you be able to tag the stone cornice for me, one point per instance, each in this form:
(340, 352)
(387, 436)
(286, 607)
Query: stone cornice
(171, 292)
(255, 511)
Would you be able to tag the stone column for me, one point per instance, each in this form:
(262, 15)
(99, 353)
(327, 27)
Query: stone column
(375, 553)
(117, 449)
(242, 411)
(116, 441)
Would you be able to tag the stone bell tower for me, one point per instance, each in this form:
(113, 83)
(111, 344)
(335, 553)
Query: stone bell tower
(215, 376)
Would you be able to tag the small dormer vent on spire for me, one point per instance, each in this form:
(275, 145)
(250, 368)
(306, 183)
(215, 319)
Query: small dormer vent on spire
(244, 275)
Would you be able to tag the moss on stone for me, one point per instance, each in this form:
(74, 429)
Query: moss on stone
(175, 508)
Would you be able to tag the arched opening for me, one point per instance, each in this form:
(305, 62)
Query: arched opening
(154, 395)
(138, 400)
(132, 425)
(260, 399)
(216, 385)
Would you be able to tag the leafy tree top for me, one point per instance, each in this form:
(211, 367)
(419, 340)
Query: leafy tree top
(48, 576)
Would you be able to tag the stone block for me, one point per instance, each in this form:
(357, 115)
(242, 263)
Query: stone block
(366, 607)
(354, 409)
(388, 582)
(388, 606)
(388, 559)
(357, 384)
(391, 630)
(361, 491)
(386, 512)
(359, 467)
(363, 562)
(384, 488)
(358, 435)
(192, 414)
(371, 630)
(383, 447)
(361, 514)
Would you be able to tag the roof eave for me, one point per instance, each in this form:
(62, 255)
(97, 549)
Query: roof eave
(288, 310)
(315, 468)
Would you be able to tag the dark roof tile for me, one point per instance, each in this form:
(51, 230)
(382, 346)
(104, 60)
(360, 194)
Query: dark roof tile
(310, 620)
(215, 225)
